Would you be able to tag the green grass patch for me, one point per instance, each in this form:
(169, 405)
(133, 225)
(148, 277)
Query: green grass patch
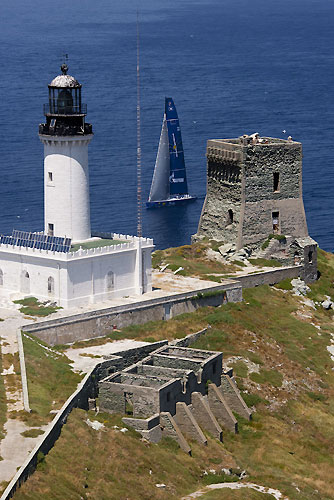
(193, 260)
(241, 494)
(253, 399)
(284, 284)
(317, 396)
(32, 307)
(211, 478)
(50, 378)
(240, 369)
(279, 237)
(324, 285)
(272, 377)
(239, 263)
(32, 433)
(265, 262)
(86, 245)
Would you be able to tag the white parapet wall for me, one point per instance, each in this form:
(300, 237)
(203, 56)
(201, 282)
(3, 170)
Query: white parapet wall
(75, 279)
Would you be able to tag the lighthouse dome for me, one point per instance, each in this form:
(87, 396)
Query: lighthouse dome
(64, 80)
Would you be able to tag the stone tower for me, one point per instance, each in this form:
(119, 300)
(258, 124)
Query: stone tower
(254, 189)
(66, 136)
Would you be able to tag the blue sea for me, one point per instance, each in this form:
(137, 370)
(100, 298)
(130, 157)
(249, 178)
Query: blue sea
(232, 67)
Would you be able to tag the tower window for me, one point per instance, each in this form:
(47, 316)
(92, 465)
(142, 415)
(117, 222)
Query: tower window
(50, 229)
(50, 176)
(51, 285)
(310, 257)
(230, 217)
(110, 281)
(276, 182)
(275, 221)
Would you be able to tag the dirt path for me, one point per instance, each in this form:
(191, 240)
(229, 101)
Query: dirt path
(236, 486)
(14, 448)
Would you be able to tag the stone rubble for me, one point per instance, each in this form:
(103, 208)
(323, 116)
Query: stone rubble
(299, 287)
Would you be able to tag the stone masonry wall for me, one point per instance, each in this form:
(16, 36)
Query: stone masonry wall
(240, 177)
(261, 161)
(257, 220)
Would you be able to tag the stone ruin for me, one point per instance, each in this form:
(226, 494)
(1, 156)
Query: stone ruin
(254, 200)
(176, 392)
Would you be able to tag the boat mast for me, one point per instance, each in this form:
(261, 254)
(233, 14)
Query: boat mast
(139, 202)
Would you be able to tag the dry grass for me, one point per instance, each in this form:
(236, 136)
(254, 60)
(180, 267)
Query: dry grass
(194, 261)
(127, 461)
(288, 445)
(50, 381)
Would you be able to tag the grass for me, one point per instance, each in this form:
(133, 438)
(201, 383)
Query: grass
(325, 285)
(272, 377)
(284, 284)
(279, 237)
(50, 381)
(32, 433)
(265, 262)
(32, 307)
(95, 244)
(131, 467)
(287, 445)
(193, 259)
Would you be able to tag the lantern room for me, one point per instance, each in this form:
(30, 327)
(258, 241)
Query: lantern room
(65, 113)
(64, 96)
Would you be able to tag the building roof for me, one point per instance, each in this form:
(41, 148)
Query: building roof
(64, 81)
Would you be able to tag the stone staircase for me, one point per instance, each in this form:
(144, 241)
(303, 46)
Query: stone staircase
(210, 413)
(263, 254)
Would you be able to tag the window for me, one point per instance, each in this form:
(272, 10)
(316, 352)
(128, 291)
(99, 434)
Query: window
(51, 285)
(50, 176)
(310, 257)
(276, 182)
(110, 281)
(25, 282)
(230, 217)
(275, 221)
(1, 277)
(296, 259)
(50, 229)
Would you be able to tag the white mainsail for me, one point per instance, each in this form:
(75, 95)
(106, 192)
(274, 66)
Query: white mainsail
(160, 181)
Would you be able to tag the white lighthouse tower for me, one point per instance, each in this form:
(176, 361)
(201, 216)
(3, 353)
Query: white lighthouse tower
(66, 136)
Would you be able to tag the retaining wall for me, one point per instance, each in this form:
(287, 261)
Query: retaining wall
(270, 277)
(100, 322)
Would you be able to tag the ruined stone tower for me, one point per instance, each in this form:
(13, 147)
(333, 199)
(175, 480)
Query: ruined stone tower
(254, 188)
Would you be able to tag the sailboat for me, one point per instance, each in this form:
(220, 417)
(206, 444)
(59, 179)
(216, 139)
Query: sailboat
(169, 183)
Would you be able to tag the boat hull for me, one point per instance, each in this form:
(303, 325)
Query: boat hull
(170, 202)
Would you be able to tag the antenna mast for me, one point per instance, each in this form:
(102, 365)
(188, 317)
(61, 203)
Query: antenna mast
(139, 202)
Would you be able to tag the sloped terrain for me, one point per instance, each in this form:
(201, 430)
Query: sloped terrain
(277, 345)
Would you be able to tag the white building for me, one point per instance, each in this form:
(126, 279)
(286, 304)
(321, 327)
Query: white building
(65, 264)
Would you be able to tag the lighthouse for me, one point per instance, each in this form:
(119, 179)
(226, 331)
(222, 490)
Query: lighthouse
(66, 137)
(67, 263)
